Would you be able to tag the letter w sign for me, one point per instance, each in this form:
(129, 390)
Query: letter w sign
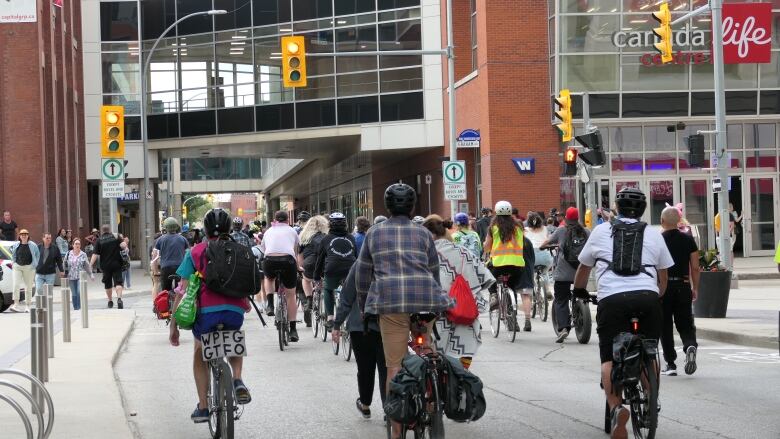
(525, 165)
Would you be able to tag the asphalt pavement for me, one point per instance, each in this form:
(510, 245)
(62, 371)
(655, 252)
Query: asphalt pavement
(534, 388)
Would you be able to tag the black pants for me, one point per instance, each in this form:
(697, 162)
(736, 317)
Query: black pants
(370, 357)
(165, 273)
(676, 303)
(561, 305)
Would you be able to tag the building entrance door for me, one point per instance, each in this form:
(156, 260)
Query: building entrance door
(697, 203)
(660, 193)
(759, 213)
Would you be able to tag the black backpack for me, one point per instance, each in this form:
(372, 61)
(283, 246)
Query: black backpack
(231, 269)
(575, 242)
(464, 398)
(404, 397)
(627, 244)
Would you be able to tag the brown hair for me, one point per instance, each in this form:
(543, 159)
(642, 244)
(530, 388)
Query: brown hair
(363, 224)
(506, 227)
(437, 227)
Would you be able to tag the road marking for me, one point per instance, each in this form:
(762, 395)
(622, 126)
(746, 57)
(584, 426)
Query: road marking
(749, 357)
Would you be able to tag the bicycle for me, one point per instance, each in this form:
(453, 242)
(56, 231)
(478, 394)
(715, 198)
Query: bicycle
(217, 347)
(581, 320)
(430, 418)
(539, 304)
(344, 343)
(506, 310)
(280, 316)
(318, 324)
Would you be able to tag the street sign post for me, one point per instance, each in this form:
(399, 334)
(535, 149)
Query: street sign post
(113, 169)
(454, 173)
(455, 192)
(113, 189)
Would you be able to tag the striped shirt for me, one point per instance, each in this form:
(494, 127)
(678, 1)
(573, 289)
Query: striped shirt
(398, 270)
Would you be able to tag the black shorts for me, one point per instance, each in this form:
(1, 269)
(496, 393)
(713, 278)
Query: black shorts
(112, 278)
(165, 274)
(285, 266)
(515, 274)
(615, 312)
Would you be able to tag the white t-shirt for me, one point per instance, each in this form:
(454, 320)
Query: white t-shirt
(599, 246)
(279, 239)
(538, 237)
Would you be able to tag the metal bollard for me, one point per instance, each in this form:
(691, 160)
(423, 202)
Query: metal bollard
(49, 291)
(66, 315)
(40, 353)
(84, 300)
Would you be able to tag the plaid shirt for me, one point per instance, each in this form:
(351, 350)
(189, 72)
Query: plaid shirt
(241, 238)
(398, 270)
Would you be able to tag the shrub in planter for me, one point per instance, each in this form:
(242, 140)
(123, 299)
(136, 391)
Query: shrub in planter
(714, 286)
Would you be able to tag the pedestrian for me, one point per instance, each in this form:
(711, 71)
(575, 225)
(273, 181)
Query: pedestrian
(361, 227)
(107, 249)
(76, 262)
(125, 253)
(8, 227)
(379, 219)
(459, 340)
(49, 262)
(366, 344)
(466, 237)
(238, 234)
(154, 266)
(681, 291)
(61, 242)
(25, 255)
(483, 224)
(69, 238)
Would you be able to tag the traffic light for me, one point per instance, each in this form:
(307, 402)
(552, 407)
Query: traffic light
(664, 32)
(589, 219)
(594, 154)
(564, 114)
(240, 211)
(184, 212)
(696, 150)
(294, 61)
(570, 162)
(112, 126)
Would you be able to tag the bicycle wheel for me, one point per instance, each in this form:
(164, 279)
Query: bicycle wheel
(582, 321)
(554, 321)
(436, 429)
(281, 319)
(644, 406)
(545, 309)
(323, 318)
(535, 300)
(334, 344)
(227, 409)
(315, 313)
(510, 304)
(607, 418)
(495, 317)
(346, 345)
(213, 399)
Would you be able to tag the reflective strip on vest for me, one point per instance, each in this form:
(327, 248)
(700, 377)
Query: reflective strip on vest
(507, 253)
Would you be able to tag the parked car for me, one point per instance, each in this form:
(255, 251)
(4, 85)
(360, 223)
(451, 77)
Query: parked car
(6, 275)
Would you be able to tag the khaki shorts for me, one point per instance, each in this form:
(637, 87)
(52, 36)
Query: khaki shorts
(395, 337)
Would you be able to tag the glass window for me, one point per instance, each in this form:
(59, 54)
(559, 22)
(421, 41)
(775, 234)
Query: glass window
(347, 7)
(356, 39)
(403, 106)
(578, 6)
(132, 103)
(474, 61)
(268, 66)
(770, 102)
(702, 104)
(275, 117)
(661, 195)
(197, 66)
(691, 130)
(310, 9)
(317, 88)
(236, 95)
(734, 136)
(157, 16)
(655, 104)
(741, 102)
(400, 35)
(238, 14)
(401, 80)
(163, 126)
(133, 127)
(769, 71)
(393, 4)
(760, 135)
(236, 120)
(165, 102)
(659, 139)
(198, 123)
(358, 110)
(118, 21)
(234, 62)
(200, 98)
(663, 163)
(273, 92)
(759, 160)
(625, 139)
(315, 114)
(195, 25)
(590, 72)
(357, 84)
(319, 42)
(640, 74)
(626, 163)
(737, 76)
(588, 33)
(270, 11)
(120, 73)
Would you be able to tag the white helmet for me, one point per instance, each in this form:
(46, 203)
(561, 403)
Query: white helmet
(503, 208)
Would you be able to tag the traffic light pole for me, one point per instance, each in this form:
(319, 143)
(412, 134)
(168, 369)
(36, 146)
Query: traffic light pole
(590, 187)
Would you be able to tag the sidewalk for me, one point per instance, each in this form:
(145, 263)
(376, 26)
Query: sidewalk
(763, 267)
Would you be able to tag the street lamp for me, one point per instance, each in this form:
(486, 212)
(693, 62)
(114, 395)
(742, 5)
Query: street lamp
(144, 129)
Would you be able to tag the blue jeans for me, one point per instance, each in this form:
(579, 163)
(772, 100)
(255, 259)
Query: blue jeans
(41, 279)
(75, 294)
(126, 278)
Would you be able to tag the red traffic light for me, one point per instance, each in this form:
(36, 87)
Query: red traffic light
(570, 156)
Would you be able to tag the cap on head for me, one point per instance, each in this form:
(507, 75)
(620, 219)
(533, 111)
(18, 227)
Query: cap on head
(461, 219)
(572, 214)
(503, 208)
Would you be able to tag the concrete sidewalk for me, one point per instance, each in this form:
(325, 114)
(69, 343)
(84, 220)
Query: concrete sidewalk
(763, 267)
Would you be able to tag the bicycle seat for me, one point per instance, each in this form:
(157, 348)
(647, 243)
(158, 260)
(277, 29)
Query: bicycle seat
(540, 267)
(174, 277)
(504, 278)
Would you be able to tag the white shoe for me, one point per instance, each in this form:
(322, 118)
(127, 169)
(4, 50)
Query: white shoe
(14, 308)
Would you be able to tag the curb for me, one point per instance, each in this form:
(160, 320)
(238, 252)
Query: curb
(758, 276)
(758, 341)
(125, 337)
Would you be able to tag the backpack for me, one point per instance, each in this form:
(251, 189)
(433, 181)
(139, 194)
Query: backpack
(470, 241)
(162, 305)
(627, 356)
(342, 248)
(231, 269)
(125, 254)
(465, 310)
(575, 242)
(627, 244)
(404, 396)
(464, 399)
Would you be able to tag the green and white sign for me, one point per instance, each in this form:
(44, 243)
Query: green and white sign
(113, 169)
(454, 172)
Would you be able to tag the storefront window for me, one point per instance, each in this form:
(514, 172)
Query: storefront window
(734, 136)
(760, 136)
(588, 33)
(590, 72)
(641, 74)
(769, 71)
(661, 163)
(661, 195)
(737, 76)
(595, 6)
(658, 138)
(646, 5)
(568, 193)
(625, 139)
(626, 163)
(761, 160)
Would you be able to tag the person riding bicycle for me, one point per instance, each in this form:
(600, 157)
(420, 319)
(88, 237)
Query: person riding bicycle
(336, 256)
(311, 237)
(303, 218)
(397, 275)
(280, 247)
(466, 237)
(537, 233)
(172, 248)
(238, 234)
(213, 309)
(623, 295)
(504, 247)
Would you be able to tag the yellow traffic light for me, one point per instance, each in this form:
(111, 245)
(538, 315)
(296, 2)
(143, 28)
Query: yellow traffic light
(184, 212)
(294, 61)
(564, 114)
(589, 219)
(112, 126)
(664, 32)
(240, 211)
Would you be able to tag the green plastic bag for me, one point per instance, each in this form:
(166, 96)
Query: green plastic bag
(187, 310)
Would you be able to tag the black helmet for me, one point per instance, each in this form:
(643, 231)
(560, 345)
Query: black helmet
(400, 199)
(337, 220)
(631, 202)
(216, 222)
(304, 216)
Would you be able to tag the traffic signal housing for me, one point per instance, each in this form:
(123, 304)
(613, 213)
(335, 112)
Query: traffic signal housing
(594, 154)
(664, 32)
(184, 213)
(112, 126)
(564, 115)
(695, 150)
(570, 162)
(294, 61)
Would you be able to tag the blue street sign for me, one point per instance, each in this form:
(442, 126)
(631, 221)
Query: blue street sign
(525, 165)
(468, 139)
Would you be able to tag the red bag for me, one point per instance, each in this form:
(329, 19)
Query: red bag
(161, 306)
(465, 310)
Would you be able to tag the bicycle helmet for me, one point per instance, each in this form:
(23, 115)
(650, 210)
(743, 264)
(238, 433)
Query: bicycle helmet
(400, 199)
(337, 220)
(461, 219)
(631, 202)
(304, 216)
(418, 220)
(379, 219)
(503, 208)
(170, 224)
(216, 222)
(237, 223)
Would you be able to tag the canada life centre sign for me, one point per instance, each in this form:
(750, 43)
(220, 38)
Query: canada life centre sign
(747, 38)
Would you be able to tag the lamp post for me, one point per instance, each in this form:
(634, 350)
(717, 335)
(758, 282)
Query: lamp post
(144, 129)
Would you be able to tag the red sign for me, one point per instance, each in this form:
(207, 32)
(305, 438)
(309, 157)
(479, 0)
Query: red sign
(747, 33)
(57, 3)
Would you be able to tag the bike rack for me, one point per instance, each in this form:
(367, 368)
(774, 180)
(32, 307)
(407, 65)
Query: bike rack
(44, 428)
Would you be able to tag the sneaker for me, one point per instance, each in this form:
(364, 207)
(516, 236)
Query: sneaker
(242, 393)
(269, 307)
(293, 335)
(364, 410)
(200, 415)
(562, 335)
(14, 308)
(493, 301)
(110, 304)
(619, 420)
(527, 326)
(670, 370)
(690, 360)
(119, 304)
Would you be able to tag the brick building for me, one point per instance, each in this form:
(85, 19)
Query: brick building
(41, 117)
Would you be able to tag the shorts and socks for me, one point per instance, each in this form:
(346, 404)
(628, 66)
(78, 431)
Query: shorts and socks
(285, 266)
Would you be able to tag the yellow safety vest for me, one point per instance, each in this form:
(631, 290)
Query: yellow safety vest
(507, 253)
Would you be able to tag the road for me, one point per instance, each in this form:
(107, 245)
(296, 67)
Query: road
(535, 388)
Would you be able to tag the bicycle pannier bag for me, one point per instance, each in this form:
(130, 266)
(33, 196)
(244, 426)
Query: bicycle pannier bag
(626, 358)
(465, 310)
(231, 269)
(465, 400)
(404, 397)
(161, 306)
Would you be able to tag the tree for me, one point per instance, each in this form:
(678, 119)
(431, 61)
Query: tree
(197, 208)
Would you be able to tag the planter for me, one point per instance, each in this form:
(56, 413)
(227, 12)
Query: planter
(714, 288)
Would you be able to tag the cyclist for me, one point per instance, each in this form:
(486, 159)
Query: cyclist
(336, 256)
(623, 297)
(397, 274)
(238, 234)
(418, 220)
(537, 233)
(311, 236)
(563, 275)
(303, 218)
(504, 248)
(379, 219)
(172, 247)
(465, 236)
(213, 309)
(280, 247)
